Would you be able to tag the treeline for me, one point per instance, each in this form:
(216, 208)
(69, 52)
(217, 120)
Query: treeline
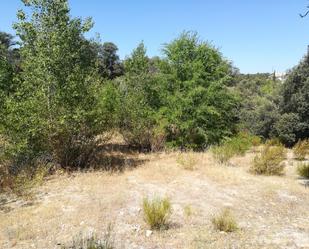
(63, 94)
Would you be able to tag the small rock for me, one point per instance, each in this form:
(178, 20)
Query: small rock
(148, 233)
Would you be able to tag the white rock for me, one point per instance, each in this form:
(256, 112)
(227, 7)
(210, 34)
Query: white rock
(148, 233)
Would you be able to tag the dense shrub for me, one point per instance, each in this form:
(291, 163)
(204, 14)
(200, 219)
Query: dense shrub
(225, 221)
(286, 128)
(157, 212)
(301, 149)
(269, 162)
(303, 170)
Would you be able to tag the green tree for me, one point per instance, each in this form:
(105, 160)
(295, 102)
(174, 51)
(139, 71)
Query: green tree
(141, 91)
(259, 109)
(54, 112)
(9, 61)
(110, 65)
(201, 108)
(294, 106)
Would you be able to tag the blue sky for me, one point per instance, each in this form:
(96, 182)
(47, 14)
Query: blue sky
(257, 35)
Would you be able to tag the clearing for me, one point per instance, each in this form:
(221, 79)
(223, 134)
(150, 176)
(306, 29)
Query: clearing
(271, 211)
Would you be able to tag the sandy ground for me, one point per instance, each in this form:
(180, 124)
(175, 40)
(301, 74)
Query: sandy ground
(272, 212)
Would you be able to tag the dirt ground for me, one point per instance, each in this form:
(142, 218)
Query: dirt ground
(271, 211)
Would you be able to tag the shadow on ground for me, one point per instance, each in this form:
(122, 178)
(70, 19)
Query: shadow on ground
(116, 158)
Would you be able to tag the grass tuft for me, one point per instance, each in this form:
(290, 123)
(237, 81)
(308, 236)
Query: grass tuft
(225, 221)
(303, 170)
(187, 161)
(157, 212)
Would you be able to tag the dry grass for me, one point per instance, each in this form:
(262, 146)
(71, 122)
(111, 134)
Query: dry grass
(269, 162)
(272, 211)
(225, 221)
(92, 241)
(301, 149)
(187, 161)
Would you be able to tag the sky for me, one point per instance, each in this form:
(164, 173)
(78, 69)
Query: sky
(256, 35)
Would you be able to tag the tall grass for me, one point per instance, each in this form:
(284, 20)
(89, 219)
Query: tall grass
(301, 149)
(187, 161)
(303, 170)
(225, 221)
(157, 212)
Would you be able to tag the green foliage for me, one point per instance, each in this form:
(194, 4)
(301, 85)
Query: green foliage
(303, 170)
(269, 162)
(157, 212)
(237, 145)
(260, 103)
(286, 128)
(225, 222)
(200, 107)
(141, 98)
(53, 112)
(301, 149)
(110, 65)
(294, 124)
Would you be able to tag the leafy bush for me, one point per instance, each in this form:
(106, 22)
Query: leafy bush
(286, 128)
(303, 170)
(21, 180)
(157, 212)
(269, 162)
(225, 221)
(92, 242)
(301, 149)
(237, 145)
(187, 161)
